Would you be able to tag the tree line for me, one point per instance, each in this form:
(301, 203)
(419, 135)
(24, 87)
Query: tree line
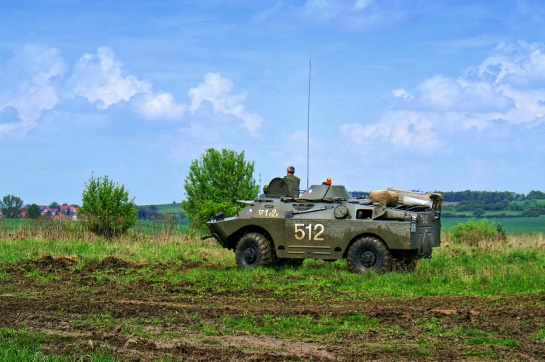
(470, 203)
(499, 204)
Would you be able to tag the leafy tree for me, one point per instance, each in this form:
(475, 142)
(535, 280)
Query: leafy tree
(106, 208)
(12, 206)
(54, 205)
(536, 195)
(215, 182)
(478, 212)
(33, 211)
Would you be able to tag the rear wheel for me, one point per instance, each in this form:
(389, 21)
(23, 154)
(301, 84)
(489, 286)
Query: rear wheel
(253, 250)
(369, 253)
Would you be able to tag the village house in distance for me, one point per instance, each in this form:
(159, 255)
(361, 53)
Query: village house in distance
(65, 211)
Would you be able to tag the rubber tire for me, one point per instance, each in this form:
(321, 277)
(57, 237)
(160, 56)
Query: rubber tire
(253, 250)
(369, 254)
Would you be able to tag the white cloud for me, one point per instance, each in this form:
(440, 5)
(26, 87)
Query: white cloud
(405, 129)
(402, 93)
(28, 85)
(519, 64)
(98, 78)
(218, 92)
(508, 86)
(29, 89)
(161, 105)
(448, 94)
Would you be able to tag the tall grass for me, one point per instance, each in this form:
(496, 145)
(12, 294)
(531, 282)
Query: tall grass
(152, 241)
(478, 259)
(65, 229)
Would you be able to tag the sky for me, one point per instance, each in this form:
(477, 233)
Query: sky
(444, 95)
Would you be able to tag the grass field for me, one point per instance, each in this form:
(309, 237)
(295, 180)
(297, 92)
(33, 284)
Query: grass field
(66, 295)
(509, 224)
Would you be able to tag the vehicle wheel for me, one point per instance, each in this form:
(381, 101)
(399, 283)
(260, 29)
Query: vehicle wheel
(253, 250)
(369, 253)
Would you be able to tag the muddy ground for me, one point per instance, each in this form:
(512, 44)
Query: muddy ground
(146, 320)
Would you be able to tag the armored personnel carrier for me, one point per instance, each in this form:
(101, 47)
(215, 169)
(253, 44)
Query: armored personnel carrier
(391, 228)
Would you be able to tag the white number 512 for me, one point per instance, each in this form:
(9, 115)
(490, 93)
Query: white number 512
(317, 230)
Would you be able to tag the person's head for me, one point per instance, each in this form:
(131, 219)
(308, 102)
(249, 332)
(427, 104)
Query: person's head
(290, 170)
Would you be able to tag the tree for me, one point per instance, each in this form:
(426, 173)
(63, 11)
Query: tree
(54, 205)
(106, 208)
(33, 211)
(215, 182)
(536, 195)
(478, 212)
(12, 206)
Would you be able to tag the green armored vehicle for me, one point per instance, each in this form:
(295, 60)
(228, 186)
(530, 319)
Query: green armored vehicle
(391, 228)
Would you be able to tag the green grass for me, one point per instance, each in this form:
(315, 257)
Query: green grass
(487, 268)
(484, 268)
(174, 207)
(23, 346)
(540, 335)
(306, 326)
(454, 270)
(151, 248)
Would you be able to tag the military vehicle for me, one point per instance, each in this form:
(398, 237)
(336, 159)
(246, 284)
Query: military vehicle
(390, 228)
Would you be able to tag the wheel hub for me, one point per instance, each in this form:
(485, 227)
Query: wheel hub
(368, 259)
(250, 255)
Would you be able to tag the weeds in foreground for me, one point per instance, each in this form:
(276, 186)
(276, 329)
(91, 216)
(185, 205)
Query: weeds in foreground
(23, 346)
(64, 229)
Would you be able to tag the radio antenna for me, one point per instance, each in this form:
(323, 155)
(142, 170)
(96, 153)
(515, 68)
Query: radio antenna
(308, 120)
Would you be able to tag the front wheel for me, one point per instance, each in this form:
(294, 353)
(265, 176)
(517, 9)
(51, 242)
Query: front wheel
(253, 250)
(369, 253)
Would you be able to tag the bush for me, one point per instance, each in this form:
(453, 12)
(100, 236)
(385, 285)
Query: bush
(107, 210)
(474, 231)
(215, 182)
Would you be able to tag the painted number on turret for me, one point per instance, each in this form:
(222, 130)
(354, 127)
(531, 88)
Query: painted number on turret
(268, 213)
(310, 231)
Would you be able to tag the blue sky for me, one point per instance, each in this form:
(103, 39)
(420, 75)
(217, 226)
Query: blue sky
(443, 95)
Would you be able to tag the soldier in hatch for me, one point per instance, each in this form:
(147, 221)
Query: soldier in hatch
(291, 174)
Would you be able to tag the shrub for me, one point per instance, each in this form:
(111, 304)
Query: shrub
(107, 209)
(474, 231)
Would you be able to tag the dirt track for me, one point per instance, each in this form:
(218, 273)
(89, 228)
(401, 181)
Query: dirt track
(148, 320)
